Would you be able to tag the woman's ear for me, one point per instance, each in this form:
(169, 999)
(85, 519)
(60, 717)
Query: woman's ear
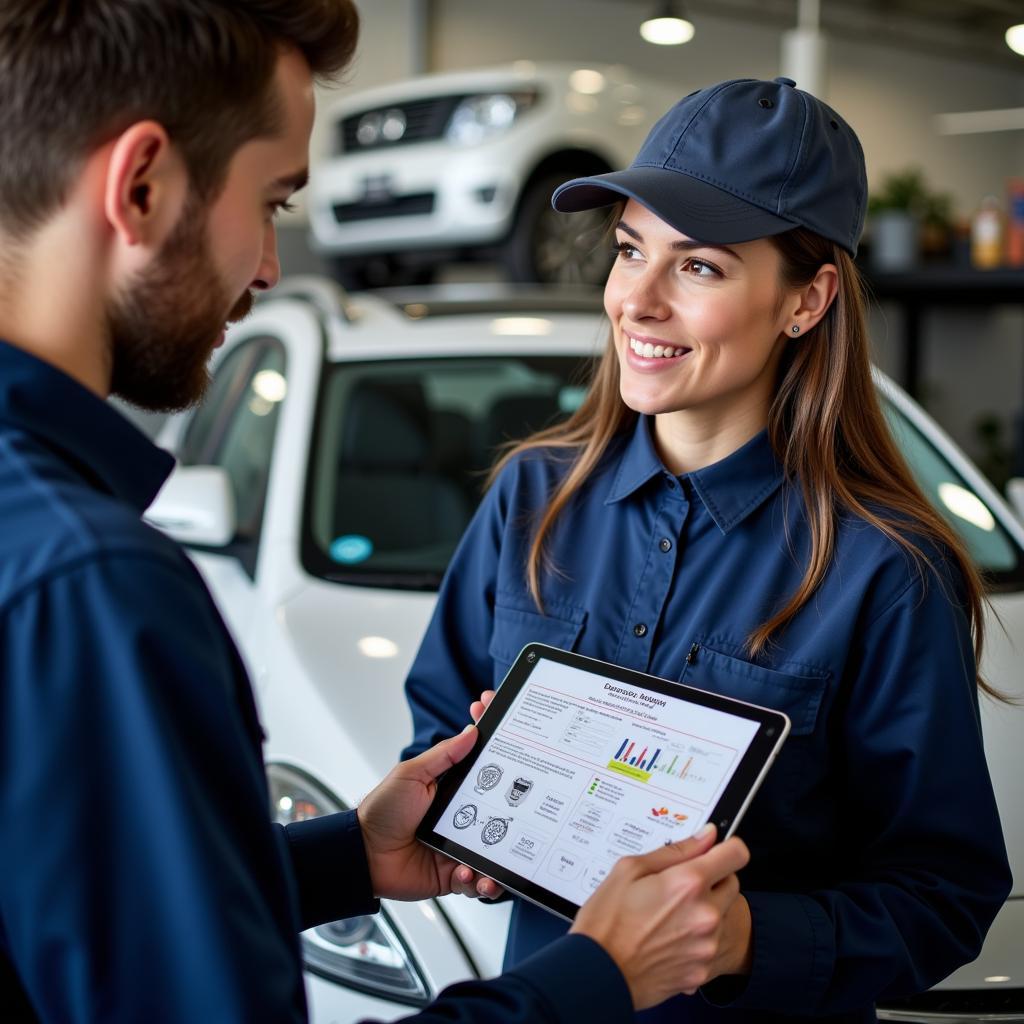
(146, 185)
(813, 300)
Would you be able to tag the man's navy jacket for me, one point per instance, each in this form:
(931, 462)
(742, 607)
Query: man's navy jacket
(140, 876)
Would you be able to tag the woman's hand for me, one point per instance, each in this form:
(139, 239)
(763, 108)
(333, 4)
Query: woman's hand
(478, 707)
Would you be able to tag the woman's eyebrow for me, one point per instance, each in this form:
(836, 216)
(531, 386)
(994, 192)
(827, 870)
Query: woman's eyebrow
(683, 244)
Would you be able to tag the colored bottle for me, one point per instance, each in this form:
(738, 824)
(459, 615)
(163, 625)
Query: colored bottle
(1015, 222)
(987, 235)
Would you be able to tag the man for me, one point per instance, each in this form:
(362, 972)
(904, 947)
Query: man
(145, 146)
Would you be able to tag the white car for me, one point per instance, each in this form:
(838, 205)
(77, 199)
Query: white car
(465, 162)
(322, 488)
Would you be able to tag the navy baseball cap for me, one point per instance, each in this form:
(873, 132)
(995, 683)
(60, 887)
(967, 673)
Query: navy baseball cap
(741, 160)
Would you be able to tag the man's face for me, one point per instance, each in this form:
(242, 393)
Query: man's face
(164, 328)
(165, 325)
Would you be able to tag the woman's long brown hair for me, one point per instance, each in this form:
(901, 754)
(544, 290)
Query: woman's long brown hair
(826, 426)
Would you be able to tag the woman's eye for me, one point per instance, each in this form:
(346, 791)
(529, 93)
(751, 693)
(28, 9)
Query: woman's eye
(699, 268)
(625, 251)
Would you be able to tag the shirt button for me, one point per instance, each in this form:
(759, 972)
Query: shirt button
(670, 482)
(665, 544)
(640, 629)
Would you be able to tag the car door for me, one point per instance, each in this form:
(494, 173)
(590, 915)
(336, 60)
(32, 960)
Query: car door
(234, 428)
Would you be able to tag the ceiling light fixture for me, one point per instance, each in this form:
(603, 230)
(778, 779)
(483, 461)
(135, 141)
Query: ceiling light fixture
(668, 26)
(1015, 38)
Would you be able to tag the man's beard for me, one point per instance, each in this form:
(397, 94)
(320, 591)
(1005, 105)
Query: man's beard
(164, 328)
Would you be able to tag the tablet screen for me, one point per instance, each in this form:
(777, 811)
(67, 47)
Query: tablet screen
(581, 769)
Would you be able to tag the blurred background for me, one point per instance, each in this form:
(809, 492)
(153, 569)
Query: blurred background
(932, 88)
(343, 447)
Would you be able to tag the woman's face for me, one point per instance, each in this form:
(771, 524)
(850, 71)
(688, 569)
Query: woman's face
(698, 329)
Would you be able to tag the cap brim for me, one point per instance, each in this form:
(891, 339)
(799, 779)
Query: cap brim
(693, 207)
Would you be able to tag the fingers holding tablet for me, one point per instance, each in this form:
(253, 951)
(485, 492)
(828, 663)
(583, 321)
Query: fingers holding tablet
(466, 882)
(478, 707)
(667, 918)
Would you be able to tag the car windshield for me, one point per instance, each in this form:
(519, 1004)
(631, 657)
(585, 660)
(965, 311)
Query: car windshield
(402, 450)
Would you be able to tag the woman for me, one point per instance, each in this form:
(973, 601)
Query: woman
(728, 509)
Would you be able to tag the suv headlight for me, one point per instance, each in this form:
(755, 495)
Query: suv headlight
(364, 953)
(479, 117)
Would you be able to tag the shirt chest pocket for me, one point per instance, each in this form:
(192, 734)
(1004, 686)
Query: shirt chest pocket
(515, 626)
(789, 795)
(797, 693)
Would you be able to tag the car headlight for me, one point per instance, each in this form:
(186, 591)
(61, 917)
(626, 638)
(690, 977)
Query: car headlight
(479, 117)
(363, 953)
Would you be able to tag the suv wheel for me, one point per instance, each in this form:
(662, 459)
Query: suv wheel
(556, 248)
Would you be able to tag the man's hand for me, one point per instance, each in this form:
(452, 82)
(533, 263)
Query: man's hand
(473, 884)
(401, 868)
(668, 918)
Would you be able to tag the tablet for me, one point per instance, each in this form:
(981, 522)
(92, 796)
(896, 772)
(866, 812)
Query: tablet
(580, 762)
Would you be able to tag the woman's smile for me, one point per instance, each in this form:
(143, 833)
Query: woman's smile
(653, 355)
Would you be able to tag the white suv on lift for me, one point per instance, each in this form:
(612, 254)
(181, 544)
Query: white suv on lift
(463, 163)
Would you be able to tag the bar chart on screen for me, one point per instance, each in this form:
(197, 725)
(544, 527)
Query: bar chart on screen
(691, 767)
(678, 767)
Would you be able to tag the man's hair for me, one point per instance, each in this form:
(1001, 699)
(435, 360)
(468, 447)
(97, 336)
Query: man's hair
(76, 73)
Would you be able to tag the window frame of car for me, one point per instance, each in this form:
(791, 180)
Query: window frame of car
(249, 355)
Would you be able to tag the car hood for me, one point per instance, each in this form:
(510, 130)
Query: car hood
(348, 651)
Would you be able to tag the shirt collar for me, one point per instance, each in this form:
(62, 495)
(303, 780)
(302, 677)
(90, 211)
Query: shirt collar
(638, 464)
(730, 489)
(104, 446)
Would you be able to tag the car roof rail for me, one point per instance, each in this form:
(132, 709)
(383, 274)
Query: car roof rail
(422, 301)
(324, 293)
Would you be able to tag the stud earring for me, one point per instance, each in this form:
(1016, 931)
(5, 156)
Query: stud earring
(796, 329)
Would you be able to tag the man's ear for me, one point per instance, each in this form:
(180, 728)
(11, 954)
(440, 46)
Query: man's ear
(146, 185)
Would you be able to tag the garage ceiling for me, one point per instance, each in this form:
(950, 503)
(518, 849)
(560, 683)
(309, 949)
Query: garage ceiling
(965, 29)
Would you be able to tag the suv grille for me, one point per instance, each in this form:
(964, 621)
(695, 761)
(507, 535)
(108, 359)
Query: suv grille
(395, 206)
(397, 124)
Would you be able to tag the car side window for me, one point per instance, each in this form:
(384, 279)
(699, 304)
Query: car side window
(235, 428)
(206, 428)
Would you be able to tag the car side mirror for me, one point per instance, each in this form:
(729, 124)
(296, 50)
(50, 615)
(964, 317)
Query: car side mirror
(1015, 495)
(196, 506)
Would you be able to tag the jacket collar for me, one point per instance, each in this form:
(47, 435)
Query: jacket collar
(108, 450)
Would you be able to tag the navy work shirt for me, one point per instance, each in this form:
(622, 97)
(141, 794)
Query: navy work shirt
(877, 862)
(140, 876)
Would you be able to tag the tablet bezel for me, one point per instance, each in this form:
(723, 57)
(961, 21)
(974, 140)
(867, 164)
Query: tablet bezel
(773, 728)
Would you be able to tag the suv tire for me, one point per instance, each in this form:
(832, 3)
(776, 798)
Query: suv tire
(379, 271)
(556, 248)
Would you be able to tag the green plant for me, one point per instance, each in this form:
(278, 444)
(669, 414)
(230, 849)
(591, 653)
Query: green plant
(907, 190)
